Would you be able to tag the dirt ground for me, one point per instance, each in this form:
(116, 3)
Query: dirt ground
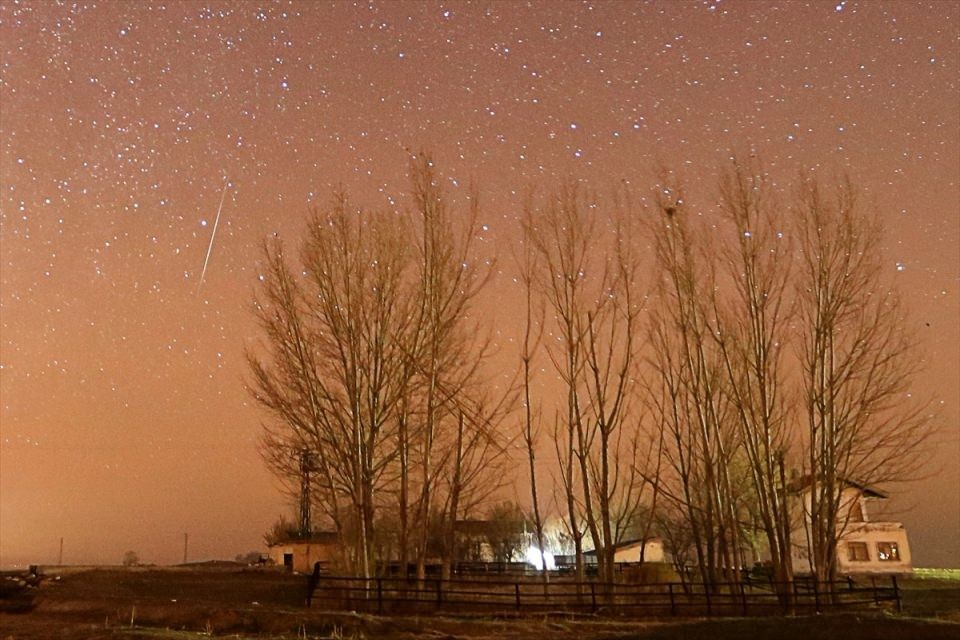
(235, 602)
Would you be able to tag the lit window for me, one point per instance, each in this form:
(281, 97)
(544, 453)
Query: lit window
(888, 551)
(857, 552)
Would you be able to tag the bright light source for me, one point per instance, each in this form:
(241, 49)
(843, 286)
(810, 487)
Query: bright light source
(537, 559)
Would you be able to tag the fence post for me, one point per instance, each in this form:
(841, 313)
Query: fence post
(816, 595)
(439, 593)
(743, 598)
(706, 593)
(796, 596)
(593, 596)
(896, 593)
(876, 596)
(379, 595)
(516, 590)
(673, 604)
(312, 583)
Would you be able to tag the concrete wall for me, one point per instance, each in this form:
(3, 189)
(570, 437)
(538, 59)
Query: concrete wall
(302, 554)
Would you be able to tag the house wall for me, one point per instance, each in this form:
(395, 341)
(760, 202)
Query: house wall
(872, 533)
(866, 532)
(305, 554)
(631, 552)
(849, 499)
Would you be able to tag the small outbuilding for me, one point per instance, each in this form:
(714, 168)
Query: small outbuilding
(628, 551)
(300, 554)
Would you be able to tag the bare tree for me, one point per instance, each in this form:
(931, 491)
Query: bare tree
(692, 406)
(372, 369)
(475, 470)
(561, 236)
(858, 364)
(334, 373)
(506, 526)
(753, 335)
(612, 348)
(286, 382)
(589, 284)
(532, 422)
(446, 353)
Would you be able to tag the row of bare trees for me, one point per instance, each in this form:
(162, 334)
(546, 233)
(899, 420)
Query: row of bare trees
(700, 370)
(777, 344)
(370, 362)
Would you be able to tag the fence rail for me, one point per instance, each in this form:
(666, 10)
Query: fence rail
(531, 595)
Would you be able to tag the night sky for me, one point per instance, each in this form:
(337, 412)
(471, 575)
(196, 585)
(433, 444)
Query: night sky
(124, 418)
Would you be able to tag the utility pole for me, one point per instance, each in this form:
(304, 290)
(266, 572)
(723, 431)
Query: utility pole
(60, 560)
(186, 538)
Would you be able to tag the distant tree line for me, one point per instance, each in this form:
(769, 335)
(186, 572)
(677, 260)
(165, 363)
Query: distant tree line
(704, 358)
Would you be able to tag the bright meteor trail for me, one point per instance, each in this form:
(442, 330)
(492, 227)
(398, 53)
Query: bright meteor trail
(213, 236)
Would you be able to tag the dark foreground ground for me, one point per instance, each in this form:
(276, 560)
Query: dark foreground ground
(229, 601)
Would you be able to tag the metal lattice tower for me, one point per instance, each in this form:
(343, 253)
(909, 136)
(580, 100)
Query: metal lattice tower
(305, 464)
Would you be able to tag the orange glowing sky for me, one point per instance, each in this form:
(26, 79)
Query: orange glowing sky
(124, 422)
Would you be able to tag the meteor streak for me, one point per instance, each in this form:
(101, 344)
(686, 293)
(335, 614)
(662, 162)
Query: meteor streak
(213, 236)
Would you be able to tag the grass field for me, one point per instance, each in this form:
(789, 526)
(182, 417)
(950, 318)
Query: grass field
(943, 575)
(230, 601)
(932, 593)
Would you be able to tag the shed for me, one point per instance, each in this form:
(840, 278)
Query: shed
(302, 553)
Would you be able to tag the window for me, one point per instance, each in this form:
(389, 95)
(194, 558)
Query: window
(888, 551)
(857, 552)
(856, 512)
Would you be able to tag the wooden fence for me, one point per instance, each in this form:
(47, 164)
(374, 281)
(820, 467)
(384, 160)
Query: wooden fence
(505, 596)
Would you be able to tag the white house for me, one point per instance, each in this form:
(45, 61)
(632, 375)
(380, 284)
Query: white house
(865, 546)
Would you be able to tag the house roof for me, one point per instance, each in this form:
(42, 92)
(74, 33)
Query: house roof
(317, 537)
(801, 483)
